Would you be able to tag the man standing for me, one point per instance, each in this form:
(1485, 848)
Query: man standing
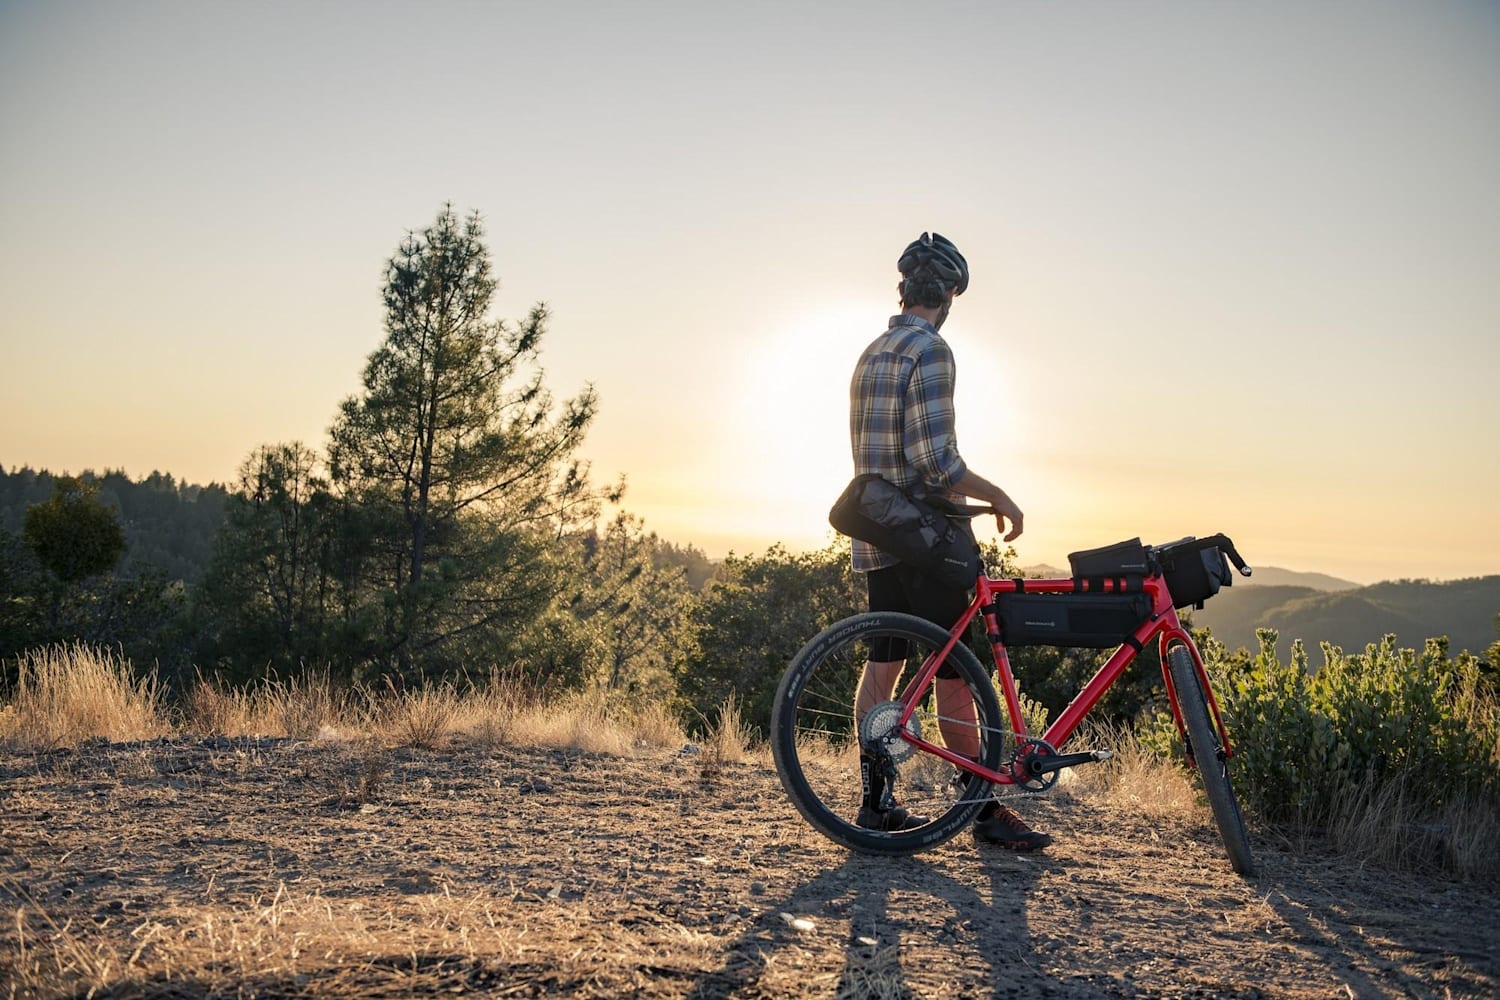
(901, 427)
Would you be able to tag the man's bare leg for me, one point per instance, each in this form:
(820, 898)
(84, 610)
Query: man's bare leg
(958, 716)
(877, 685)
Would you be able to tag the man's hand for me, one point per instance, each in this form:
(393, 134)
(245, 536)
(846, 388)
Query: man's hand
(1008, 511)
(972, 484)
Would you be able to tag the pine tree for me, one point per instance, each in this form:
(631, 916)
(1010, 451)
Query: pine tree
(458, 457)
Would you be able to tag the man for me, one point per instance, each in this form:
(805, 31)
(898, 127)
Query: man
(901, 427)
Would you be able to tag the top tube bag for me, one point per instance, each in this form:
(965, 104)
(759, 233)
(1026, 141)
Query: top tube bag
(1127, 558)
(915, 530)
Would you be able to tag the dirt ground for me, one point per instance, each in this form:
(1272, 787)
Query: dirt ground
(275, 868)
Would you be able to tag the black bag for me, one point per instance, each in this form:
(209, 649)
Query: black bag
(1127, 558)
(1194, 573)
(916, 531)
(1093, 621)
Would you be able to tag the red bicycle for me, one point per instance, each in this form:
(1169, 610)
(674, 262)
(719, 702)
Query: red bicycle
(944, 740)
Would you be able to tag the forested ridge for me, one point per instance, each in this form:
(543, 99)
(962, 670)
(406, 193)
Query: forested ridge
(1464, 611)
(169, 525)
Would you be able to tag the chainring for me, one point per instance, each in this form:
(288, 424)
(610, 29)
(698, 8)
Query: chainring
(1022, 777)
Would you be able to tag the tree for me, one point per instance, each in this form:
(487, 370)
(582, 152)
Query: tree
(272, 588)
(456, 452)
(633, 605)
(73, 534)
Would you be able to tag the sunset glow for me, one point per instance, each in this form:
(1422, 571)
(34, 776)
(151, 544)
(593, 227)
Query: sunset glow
(1235, 267)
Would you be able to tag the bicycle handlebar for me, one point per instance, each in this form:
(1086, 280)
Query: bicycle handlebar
(1220, 541)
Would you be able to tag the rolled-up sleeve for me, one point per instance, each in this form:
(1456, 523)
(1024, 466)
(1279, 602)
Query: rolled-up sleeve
(929, 439)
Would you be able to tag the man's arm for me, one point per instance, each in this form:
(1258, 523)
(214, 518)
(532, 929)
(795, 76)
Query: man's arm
(972, 484)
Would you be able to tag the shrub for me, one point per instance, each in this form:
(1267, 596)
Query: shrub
(1388, 740)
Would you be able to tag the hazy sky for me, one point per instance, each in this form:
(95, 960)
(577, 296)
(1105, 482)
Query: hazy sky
(1236, 267)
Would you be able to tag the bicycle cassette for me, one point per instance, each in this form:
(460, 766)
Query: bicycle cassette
(882, 728)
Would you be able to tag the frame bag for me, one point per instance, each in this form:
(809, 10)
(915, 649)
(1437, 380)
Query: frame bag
(1092, 621)
(916, 531)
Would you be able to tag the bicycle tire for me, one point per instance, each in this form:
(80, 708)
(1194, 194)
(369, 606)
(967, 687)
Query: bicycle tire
(812, 727)
(1212, 766)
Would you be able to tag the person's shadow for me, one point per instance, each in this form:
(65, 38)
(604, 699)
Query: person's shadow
(930, 904)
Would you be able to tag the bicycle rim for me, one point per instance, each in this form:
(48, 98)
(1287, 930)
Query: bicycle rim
(1208, 755)
(818, 757)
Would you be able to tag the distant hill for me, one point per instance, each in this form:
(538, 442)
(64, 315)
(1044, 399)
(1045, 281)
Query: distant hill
(1276, 577)
(1415, 610)
(1264, 576)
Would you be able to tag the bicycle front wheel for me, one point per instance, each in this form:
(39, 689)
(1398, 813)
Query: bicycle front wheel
(1208, 755)
(817, 751)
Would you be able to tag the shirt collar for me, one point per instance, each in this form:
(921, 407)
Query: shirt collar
(907, 319)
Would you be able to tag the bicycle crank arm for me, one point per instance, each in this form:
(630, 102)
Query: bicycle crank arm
(1048, 763)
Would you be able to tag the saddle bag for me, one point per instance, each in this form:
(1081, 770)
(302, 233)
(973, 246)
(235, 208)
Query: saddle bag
(915, 530)
(1092, 621)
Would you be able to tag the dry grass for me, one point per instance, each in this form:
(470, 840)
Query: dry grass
(1387, 824)
(1135, 779)
(67, 694)
(282, 945)
(729, 741)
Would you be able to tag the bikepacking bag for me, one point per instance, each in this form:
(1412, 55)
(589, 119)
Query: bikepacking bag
(1194, 573)
(1127, 558)
(1092, 621)
(916, 531)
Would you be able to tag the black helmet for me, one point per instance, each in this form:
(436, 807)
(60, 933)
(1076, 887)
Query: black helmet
(934, 249)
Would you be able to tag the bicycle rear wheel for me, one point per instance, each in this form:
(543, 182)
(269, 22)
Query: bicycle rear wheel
(1208, 755)
(817, 752)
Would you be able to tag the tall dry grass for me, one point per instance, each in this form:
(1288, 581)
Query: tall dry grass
(67, 694)
(1136, 779)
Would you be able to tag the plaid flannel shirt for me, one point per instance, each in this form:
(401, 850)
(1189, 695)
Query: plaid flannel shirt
(901, 417)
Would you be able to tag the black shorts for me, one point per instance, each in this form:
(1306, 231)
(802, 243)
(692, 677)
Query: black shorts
(899, 588)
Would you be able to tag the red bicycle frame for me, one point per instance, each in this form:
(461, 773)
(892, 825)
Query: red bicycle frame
(1162, 625)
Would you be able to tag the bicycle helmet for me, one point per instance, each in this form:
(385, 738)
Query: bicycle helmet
(939, 252)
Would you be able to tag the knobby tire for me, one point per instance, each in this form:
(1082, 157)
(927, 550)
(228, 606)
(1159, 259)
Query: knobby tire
(1208, 756)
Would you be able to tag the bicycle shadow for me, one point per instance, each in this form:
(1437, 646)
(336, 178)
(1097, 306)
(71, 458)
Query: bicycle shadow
(893, 906)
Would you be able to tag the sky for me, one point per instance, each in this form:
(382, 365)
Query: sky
(1235, 267)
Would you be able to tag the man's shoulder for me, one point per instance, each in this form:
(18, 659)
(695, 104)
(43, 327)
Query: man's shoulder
(910, 340)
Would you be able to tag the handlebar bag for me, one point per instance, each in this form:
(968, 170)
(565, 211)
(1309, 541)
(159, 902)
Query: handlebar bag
(1194, 573)
(1093, 621)
(915, 530)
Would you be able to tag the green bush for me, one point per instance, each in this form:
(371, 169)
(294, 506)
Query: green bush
(1303, 738)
